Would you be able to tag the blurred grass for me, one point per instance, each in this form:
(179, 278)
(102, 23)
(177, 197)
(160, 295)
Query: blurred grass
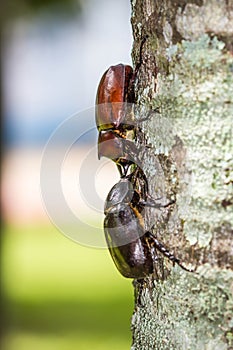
(60, 295)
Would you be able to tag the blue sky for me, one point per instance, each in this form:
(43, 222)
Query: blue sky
(52, 66)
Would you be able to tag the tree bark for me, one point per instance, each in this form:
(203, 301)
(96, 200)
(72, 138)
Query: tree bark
(185, 78)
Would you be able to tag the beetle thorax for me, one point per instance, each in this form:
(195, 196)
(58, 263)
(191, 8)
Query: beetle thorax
(121, 193)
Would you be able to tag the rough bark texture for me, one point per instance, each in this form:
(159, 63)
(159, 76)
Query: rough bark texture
(186, 78)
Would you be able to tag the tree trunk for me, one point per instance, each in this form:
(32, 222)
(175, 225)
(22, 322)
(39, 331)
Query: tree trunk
(185, 78)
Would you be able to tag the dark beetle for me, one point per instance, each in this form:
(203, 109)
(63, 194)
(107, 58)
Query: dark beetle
(124, 231)
(132, 249)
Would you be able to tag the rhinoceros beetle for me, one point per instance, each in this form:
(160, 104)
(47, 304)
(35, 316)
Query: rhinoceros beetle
(132, 248)
(115, 114)
(114, 105)
(113, 92)
(115, 117)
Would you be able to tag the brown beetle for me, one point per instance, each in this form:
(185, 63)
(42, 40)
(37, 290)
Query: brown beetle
(115, 115)
(112, 93)
(114, 104)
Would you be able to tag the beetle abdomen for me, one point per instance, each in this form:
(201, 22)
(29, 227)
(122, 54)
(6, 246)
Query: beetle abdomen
(127, 243)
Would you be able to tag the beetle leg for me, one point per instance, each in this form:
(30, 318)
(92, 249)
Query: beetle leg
(155, 261)
(166, 253)
(148, 116)
(125, 168)
(119, 168)
(151, 202)
(158, 271)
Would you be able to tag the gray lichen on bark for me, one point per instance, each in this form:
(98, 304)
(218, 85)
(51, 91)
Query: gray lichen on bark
(186, 78)
(184, 312)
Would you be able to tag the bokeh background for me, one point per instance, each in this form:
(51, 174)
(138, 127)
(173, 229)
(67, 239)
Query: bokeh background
(55, 293)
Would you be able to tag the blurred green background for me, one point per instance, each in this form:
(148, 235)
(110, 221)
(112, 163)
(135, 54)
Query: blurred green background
(60, 295)
(55, 293)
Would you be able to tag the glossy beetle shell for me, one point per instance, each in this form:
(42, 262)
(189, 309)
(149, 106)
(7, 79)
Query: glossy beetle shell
(111, 95)
(122, 151)
(110, 145)
(133, 249)
(121, 193)
(132, 259)
(124, 231)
